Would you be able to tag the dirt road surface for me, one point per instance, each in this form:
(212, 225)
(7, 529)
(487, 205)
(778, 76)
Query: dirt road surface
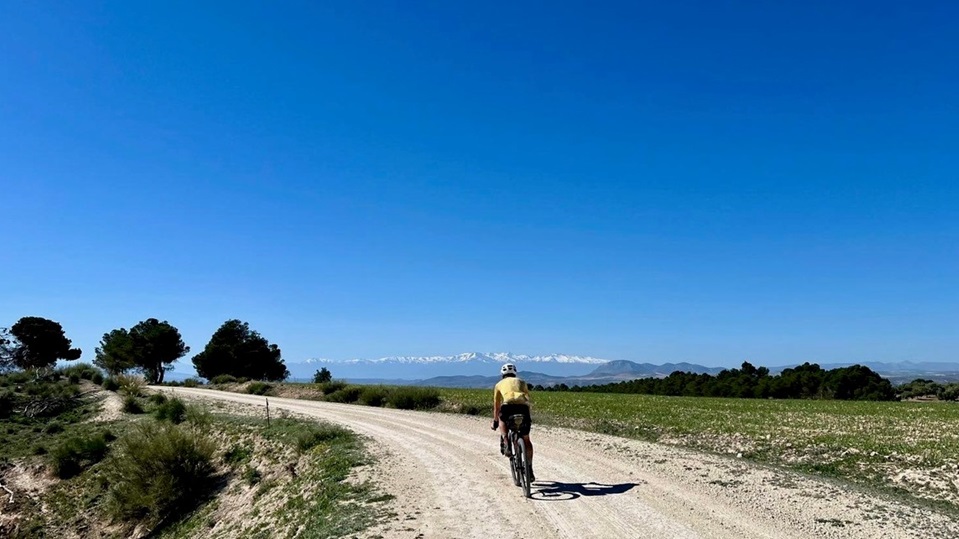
(451, 482)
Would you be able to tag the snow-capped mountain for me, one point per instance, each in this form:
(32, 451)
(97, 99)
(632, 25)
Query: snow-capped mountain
(466, 364)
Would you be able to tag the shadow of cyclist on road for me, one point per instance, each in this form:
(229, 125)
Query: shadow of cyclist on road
(555, 491)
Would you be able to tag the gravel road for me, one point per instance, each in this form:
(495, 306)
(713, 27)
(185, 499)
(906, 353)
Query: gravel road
(451, 482)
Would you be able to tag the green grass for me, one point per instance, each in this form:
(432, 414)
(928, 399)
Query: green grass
(865, 442)
(312, 436)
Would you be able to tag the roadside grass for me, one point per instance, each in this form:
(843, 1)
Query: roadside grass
(896, 446)
(297, 471)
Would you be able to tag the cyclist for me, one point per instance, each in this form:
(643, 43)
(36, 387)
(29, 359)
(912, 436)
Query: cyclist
(511, 397)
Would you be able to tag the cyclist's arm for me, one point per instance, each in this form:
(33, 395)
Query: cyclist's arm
(497, 402)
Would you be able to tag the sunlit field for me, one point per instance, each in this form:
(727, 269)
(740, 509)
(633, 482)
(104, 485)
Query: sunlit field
(893, 445)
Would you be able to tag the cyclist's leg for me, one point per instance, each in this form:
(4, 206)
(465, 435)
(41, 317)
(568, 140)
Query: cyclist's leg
(504, 434)
(527, 423)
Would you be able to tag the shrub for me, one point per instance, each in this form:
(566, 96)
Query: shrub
(259, 388)
(76, 453)
(223, 379)
(172, 410)
(414, 398)
(471, 409)
(347, 394)
(159, 471)
(374, 396)
(83, 371)
(316, 435)
(949, 392)
(238, 454)
(192, 382)
(74, 379)
(198, 416)
(131, 385)
(331, 387)
(50, 390)
(18, 377)
(97, 379)
(53, 428)
(251, 475)
(111, 384)
(131, 405)
(6, 404)
(39, 450)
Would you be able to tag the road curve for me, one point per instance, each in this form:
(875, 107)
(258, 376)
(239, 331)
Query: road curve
(451, 482)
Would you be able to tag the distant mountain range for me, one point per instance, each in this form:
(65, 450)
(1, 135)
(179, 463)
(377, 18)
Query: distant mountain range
(475, 369)
(468, 364)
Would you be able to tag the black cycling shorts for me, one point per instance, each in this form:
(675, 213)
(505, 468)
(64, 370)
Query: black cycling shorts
(507, 410)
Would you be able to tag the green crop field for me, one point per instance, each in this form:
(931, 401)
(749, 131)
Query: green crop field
(906, 446)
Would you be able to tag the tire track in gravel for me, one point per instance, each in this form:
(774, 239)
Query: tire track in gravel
(451, 482)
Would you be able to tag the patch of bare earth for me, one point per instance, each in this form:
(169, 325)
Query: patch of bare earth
(111, 409)
(25, 486)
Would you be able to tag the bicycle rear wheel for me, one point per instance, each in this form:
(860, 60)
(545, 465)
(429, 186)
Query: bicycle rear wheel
(523, 468)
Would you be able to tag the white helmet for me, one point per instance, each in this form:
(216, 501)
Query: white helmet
(509, 368)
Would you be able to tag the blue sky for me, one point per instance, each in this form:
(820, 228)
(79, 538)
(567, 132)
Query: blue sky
(664, 181)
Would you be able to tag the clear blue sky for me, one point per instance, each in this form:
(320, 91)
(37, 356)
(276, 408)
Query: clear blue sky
(654, 181)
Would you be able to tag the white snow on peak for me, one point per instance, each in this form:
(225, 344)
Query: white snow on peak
(472, 357)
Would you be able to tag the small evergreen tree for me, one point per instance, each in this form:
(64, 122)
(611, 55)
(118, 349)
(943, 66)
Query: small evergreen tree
(115, 354)
(41, 343)
(322, 376)
(237, 350)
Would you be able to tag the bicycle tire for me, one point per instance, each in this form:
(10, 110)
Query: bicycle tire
(524, 468)
(514, 461)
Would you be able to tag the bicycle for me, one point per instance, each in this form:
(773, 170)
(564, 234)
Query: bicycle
(518, 459)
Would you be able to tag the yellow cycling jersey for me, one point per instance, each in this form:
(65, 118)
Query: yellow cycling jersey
(511, 390)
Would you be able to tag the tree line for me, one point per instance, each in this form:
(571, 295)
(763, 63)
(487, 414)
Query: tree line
(807, 381)
(150, 347)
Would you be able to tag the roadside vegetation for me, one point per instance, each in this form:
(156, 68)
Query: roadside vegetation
(904, 447)
(80, 460)
(399, 397)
